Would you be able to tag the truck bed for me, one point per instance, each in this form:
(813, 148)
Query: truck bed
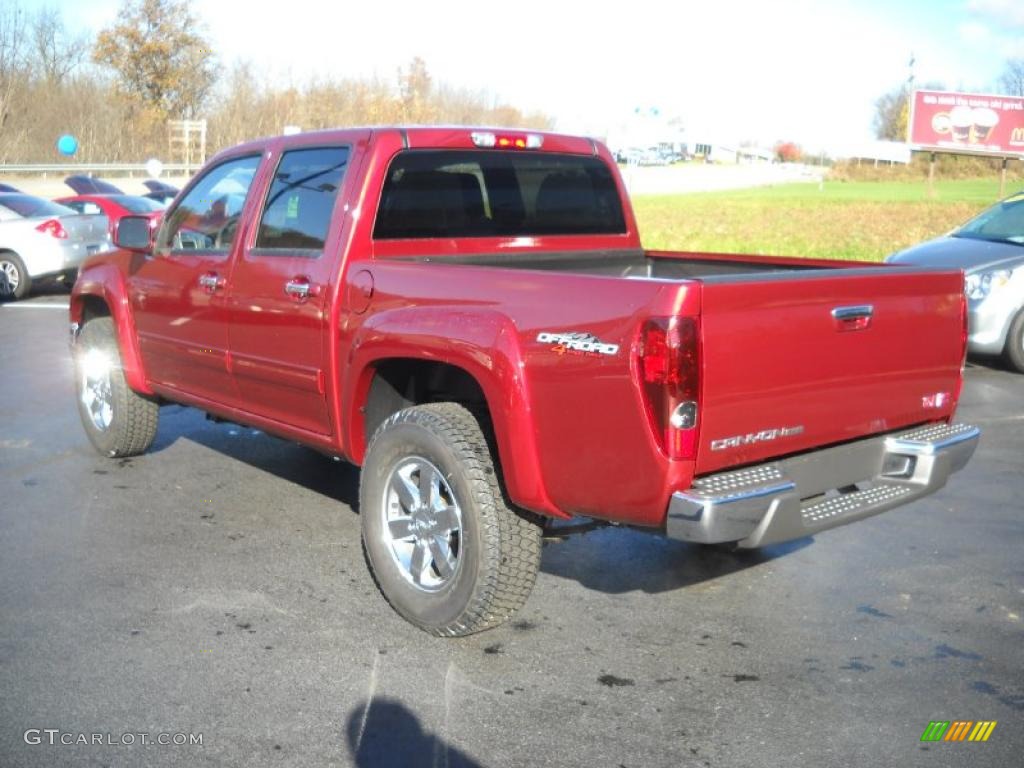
(782, 370)
(651, 265)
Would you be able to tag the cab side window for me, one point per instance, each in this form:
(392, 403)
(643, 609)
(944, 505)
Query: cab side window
(208, 216)
(297, 212)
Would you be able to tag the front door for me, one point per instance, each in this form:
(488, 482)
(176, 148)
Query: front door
(279, 298)
(178, 294)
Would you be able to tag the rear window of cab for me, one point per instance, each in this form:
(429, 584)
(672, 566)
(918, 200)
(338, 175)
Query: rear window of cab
(482, 193)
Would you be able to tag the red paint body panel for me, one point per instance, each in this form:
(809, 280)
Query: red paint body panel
(280, 343)
(481, 342)
(778, 359)
(103, 279)
(181, 326)
(571, 430)
(561, 417)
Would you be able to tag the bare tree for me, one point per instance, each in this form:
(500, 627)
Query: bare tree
(117, 109)
(891, 111)
(1011, 81)
(415, 86)
(12, 54)
(55, 52)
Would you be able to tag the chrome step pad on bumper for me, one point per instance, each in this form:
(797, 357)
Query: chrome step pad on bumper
(799, 496)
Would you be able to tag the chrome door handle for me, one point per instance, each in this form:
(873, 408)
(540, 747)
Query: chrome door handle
(211, 281)
(300, 288)
(853, 313)
(853, 318)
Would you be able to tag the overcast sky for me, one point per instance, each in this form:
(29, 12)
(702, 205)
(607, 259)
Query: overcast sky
(804, 70)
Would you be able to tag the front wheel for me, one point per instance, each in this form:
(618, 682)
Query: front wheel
(447, 552)
(118, 420)
(1014, 352)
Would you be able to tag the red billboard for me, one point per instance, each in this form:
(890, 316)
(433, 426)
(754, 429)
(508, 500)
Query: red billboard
(967, 122)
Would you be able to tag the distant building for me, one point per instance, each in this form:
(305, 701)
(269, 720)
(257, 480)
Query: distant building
(875, 152)
(649, 138)
(716, 152)
(755, 155)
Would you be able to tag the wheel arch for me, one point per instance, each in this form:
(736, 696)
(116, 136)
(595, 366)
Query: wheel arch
(1013, 345)
(100, 292)
(425, 355)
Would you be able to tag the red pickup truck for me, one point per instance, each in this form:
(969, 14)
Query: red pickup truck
(469, 315)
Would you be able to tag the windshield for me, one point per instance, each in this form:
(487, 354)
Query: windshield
(1003, 222)
(457, 193)
(137, 204)
(30, 207)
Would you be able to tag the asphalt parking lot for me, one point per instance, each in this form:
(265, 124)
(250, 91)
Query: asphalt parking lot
(216, 586)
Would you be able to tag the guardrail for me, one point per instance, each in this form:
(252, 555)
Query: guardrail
(93, 168)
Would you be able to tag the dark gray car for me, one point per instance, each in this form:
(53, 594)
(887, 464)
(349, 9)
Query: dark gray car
(990, 250)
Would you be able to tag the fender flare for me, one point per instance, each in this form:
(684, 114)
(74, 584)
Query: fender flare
(106, 283)
(485, 345)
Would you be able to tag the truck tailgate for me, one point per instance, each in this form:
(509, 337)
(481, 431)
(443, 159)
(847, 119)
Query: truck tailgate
(785, 372)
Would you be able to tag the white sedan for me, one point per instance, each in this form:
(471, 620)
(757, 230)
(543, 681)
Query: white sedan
(41, 239)
(990, 250)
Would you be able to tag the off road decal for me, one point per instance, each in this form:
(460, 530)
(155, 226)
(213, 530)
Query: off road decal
(576, 344)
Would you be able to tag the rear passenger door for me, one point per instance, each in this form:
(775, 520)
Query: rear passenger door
(280, 291)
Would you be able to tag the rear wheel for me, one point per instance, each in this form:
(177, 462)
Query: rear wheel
(447, 552)
(15, 281)
(1014, 352)
(118, 420)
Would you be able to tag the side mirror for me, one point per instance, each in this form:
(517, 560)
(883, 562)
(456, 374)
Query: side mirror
(134, 233)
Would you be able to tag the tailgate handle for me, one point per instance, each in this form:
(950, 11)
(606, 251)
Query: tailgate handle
(853, 318)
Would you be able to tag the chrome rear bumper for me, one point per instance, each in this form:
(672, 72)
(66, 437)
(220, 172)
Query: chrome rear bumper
(799, 496)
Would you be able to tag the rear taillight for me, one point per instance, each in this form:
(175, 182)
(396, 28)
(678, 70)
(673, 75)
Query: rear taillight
(54, 228)
(668, 365)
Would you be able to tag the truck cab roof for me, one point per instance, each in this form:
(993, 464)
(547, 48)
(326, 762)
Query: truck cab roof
(428, 137)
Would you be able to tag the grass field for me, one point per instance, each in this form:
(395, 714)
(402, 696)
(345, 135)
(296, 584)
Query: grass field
(845, 220)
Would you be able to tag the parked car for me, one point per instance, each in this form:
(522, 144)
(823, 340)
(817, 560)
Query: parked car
(990, 250)
(470, 316)
(89, 185)
(114, 206)
(43, 239)
(644, 156)
(160, 191)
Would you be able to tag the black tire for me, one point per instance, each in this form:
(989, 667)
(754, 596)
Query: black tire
(68, 278)
(1014, 352)
(128, 426)
(496, 551)
(15, 281)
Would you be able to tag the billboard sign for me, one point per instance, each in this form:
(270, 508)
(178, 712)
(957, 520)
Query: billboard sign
(947, 121)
